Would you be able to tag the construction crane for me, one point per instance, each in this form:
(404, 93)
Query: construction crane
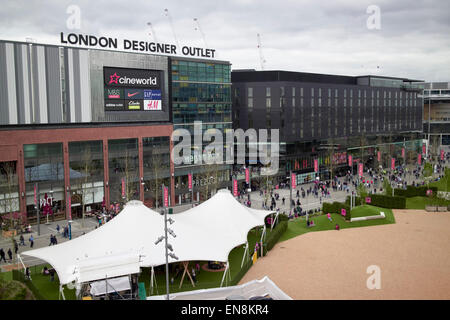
(152, 32)
(261, 57)
(166, 12)
(197, 27)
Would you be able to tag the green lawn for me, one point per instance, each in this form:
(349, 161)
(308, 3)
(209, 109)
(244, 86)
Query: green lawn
(441, 185)
(366, 210)
(298, 226)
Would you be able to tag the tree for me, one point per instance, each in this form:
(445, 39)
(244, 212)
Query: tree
(159, 166)
(8, 186)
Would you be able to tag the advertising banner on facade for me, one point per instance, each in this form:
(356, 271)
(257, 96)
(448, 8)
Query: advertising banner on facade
(350, 160)
(190, 181)
(393, 164)
(132, 89)
(360, 169)
(419, 159)
(293, 180)
(316, 165)
(235, 188)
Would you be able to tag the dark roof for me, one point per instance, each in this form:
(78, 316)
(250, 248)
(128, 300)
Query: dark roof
(291, 76)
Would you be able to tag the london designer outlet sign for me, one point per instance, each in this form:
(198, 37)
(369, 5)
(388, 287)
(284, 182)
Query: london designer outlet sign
(134, 45)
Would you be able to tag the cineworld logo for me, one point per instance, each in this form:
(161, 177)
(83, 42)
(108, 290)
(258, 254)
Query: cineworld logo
(116, 79)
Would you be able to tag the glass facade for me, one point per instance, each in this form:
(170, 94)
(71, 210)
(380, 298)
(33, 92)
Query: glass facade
(44, 166)
(86, 176)
(9, 187)
(123, 162)
(201, 91)
(156, 160)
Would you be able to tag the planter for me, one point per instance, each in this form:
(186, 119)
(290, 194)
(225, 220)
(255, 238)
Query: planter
(430, 208)
(9, 234)
(442, 209)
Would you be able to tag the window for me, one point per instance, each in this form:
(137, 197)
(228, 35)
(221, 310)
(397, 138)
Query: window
(268, 103)
(268, 92)
(250, 92)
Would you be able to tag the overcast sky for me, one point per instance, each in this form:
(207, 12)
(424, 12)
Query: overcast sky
(323, 36)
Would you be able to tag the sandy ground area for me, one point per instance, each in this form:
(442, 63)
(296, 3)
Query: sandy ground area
(413, 256)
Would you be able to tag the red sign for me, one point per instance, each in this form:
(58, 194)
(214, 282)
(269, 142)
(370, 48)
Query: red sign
(316, 165)
(379, 156)
(123, 187)
(403, 152)
(360, 169)
(393, 164)
(247, 175)
(166, 197)
(368, 199)
(424, 151)
(350, 160)
(190, 181)
(293, 180)
(419, 159)
(235, 188)
(442, 154)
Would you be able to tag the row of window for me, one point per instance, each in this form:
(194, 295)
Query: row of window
(200, 92)
(335, 93)
(200, 71)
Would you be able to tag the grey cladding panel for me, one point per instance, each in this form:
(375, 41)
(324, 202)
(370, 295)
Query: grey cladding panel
(4, 110)
(53, 84)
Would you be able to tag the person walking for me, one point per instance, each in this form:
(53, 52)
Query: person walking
(57, 228)
(10, 254)
(51, 240)
(16, 247)
(2, 255)
(22, 240)
(31, 239)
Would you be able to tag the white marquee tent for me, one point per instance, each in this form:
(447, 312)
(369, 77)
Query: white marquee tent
(255, 288)
(207, 232)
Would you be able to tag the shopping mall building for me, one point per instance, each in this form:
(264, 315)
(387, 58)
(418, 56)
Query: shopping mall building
(330, 117)
(94, 126)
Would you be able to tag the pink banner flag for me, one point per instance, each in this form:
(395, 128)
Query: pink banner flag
(166, 196)
(235, 188)
(343, 212)
(424, 151)
(35, 195)
(190, 181)
(123, 187)
(379, 156)
(393, 164)
(419, 159)
(247, 175)
(293, 180)
(442, 154)
(368, 199)
(403, 152)
(360, 169)
(316, 165)
(350, 161)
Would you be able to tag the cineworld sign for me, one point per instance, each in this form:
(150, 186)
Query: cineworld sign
(131, 78)
(134, 45)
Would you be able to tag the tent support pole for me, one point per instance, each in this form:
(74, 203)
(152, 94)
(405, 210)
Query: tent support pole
(61, 291)
(224, 274)
(186, 264)
(152, 272)
(275, 220)
(245, 254)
